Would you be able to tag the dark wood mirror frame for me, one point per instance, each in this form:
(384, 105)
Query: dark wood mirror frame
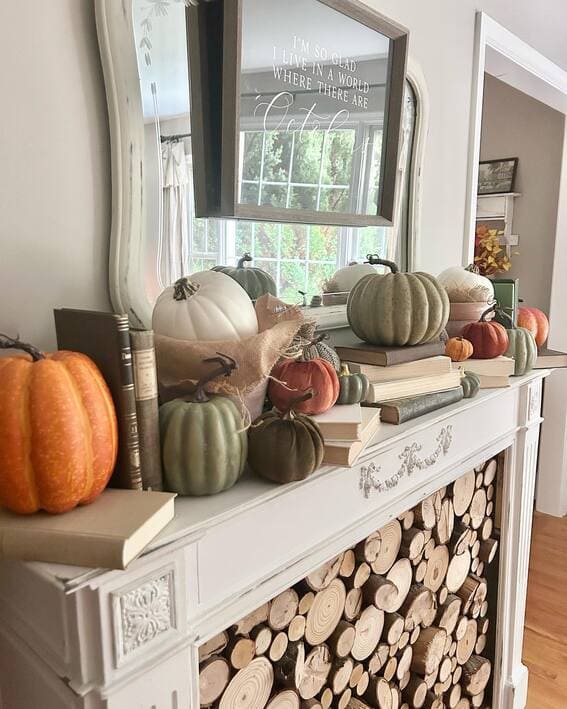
(214, 38)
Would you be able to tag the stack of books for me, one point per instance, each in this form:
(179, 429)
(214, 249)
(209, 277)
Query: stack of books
(127, 361)
(347, 430)
(493, 373)
(406, 382)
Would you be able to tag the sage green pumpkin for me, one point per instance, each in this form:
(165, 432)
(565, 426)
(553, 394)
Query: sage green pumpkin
(397, 309)
(285, 447)
(353, 386)
(470, 384)
(255, 281)
(522, 349)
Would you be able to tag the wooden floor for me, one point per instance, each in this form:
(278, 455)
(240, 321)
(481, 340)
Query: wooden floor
(545, 640)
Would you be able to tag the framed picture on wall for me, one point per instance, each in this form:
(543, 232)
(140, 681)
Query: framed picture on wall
(497, 176)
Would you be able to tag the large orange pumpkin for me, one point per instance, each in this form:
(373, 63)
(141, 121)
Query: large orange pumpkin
(308, 373)
(488, 338)
(536, 322)
(58, 430)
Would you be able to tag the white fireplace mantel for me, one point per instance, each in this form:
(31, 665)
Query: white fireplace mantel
(93, 639)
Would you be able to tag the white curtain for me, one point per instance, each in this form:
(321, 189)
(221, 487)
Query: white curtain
(174, 247)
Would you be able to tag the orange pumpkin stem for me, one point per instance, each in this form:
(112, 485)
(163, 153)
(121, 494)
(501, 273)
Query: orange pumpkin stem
(11, 343)
(227, 365)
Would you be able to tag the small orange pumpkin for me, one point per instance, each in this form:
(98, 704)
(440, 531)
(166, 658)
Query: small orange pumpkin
(458, 349)
(58, 430)
(309, 372)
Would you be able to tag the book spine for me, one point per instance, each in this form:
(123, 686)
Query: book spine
(131, 471)
(411, 408)
(147, 410)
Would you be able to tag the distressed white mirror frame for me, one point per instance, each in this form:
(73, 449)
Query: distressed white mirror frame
(130, 283)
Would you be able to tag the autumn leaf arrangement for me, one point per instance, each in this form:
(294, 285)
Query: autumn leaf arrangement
(490, 256)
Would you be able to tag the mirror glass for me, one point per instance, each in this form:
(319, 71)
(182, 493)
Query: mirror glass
(312, 104)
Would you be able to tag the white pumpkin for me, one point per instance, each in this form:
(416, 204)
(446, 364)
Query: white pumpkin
(346, 278)
(466, 285)
(205, 306)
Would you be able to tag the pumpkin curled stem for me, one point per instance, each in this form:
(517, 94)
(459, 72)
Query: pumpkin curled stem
(309, 349)
(289, 413)
(375, 260)
(473, 268)
(247, 258)
(14, 343)
(492, 309)
(227, 365)
(183, 288)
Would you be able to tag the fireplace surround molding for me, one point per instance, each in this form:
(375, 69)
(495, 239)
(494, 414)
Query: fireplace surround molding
(93, 639)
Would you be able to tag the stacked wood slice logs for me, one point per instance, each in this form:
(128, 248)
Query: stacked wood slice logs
(398, 621)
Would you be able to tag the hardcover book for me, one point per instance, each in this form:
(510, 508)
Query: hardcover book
(347, 452)
(429, 367)
(403, 388)
(402, 410)
(497, 367)
(550, 359)
(105, 338)
(363, 353)
(147, 409)
(498, 382)
(340, 422)
(109, 533)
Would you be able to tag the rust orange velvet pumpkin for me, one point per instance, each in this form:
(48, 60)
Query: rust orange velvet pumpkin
(58, 430)
(536, 322)
(309, 372)
(488, 338)
(458, 349)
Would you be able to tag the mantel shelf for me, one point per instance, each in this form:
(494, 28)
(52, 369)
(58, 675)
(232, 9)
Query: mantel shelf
(499, 194)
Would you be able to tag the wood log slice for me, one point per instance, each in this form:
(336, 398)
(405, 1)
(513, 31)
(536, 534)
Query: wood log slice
(414, 635)
(467, 592)
(240, 652)
(214, 675)
(415, 691)
(322, 577)
(296, 629)
(403, 682)
(368, 631)
(245, 625)
(427, 512)
(348, 564)
(325, 613)
(357, 704)
(394, 625)
(488, 549)
(432, 702)
(390, 668)
(437, 566)
(420, 570)
(466, 645)
(486, 529)
(445, 670)
(368, 549)
(316, 669)
(356, 675)
(461, 628)
(380, 592)
(428, 650)
(340, 675)
(400, 575)
(480, 644)
(286, 699)
(278, 647)
(311, 704)
(490, 471)
(445, 524)
(404, 662)
(326, 698)
(463, 491)
(457, 672)
(428, 549)
(404, 640)
(460, 539)
(213, 646)
(477, 509)
(353, 604)
(305, 602)
(262, 637)
(490, 492)
(342, 639)
(283, 609)
(390, 541)
(413, 542)
(362, 684)
(344, 699)
(449, 613)
(419, 603)
(251, 687)
(489, 508)
(379, 693)
(360, 576)
(288, 670)
(457, 571)
(378, 659)
(476, 674)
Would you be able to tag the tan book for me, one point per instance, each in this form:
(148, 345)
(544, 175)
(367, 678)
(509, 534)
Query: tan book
(346, 452)
(340, 422)
(381, 356)
(403, 388)
(498, 367)
(493, 382)
(109, 533)
(548, 359)
(430, 367)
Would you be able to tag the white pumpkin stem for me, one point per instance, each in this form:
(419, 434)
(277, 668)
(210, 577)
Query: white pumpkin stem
(473, 268)
(247, 258)
(375, 260)
(227, 365)
(184, 288)
(14, 343)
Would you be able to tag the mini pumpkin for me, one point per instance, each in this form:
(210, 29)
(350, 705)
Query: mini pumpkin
(204, 443)
(470, 384)
(203, 307)
(285, 446)
(536, 322)
(488, 338)
(397, 309)
(523, 349)
(307, 373)
(353, 386)
(255, 281)
(458, 349)
(58, 430)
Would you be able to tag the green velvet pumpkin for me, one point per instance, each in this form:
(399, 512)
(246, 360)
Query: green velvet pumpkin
(522, 349)
(255, 281)
(353, 387)
(285, 447)
(397, 309)
(470, 384)
(204, 444)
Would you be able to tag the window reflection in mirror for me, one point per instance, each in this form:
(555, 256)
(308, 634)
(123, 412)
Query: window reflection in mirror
(316, 170)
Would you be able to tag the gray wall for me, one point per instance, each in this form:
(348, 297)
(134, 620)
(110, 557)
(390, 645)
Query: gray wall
(55, 165)
(516, 125)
